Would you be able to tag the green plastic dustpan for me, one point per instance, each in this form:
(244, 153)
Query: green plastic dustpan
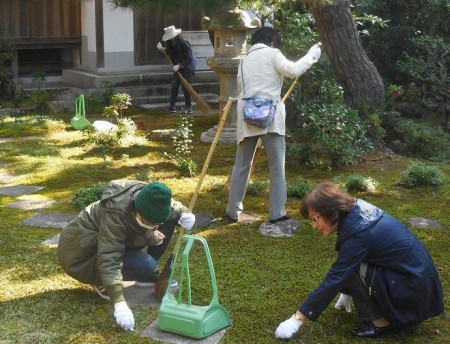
(79, 121)
(178, 315)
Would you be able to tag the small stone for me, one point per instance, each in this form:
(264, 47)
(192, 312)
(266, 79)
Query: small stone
(280, 229)
(421, 222)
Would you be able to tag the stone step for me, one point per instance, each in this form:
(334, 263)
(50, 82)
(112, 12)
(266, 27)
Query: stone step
(210, 98)
(163, 75)
(154, 90)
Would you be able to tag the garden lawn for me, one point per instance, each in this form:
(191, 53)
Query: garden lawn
(261, 279)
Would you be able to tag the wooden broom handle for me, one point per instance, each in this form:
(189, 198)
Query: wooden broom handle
(294, 83)
(170, 61)
(288, 93)
(223, 118)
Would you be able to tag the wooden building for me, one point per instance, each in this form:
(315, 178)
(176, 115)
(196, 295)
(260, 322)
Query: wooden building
(85, 43)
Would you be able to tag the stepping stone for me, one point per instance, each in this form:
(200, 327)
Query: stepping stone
(19, 190)
(139, 296)
(154, 332)
(163, 134)
(49, 220)
(26, 138)
(280, 229)
(52, 242)
(7, 178)
(204, 220)
(421, 222)
(248, 218)
(31, 204)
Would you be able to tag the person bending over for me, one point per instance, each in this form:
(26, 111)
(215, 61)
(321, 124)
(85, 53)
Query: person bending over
(104, 245)
(180, 52)
(381, 265)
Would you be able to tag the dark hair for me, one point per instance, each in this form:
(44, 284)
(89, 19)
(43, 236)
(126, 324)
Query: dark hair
(329, 201)
(266, 35)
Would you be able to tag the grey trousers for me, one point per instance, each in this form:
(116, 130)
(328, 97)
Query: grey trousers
(275, 147)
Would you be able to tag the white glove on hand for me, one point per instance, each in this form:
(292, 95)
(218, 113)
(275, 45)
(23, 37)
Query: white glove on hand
(176, 68)
(124, 316)
(159, 46)
(288, 328)
(313, 54)
(344, 303)
(187, 220)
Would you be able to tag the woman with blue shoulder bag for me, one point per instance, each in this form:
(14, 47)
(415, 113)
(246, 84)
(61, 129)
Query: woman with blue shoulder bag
(260, 79)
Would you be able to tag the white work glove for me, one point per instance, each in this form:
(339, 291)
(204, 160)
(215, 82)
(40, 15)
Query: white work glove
(288, 328)
(176, 68)
(187, 221)
(124, 316)
(344, 303)
(159, 46)
(313, 54)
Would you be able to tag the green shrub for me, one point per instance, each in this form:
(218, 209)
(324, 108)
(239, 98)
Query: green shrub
(357, 183)
(85, 196)
(119, 102)
(298, 188)
(187, 167)
(419, 140)
(332, 134)
(182, 144)
(257, 188)
(417, 174)
(7, 80)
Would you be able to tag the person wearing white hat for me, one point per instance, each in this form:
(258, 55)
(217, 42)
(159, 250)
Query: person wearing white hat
(180, 52)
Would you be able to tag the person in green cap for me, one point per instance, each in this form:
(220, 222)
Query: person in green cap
(104, 245)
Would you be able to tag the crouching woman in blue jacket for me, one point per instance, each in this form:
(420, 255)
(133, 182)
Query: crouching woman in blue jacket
(381, 265)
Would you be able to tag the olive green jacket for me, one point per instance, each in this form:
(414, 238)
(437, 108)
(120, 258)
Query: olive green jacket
(92, 245)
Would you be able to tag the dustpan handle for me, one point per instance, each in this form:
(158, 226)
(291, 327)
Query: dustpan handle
(83, 108)
(185, 266)
(215, 298)
(80, 109)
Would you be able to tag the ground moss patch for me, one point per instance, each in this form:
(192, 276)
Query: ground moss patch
(261, 280)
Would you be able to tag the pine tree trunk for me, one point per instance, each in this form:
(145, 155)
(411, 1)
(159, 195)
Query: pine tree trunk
(356, 73)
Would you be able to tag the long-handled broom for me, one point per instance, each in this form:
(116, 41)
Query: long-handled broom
(198, 100)
(163, 280)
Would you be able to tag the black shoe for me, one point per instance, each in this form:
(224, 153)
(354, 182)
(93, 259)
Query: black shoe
(171, 109)
(283, 218)
(229, 219)
(150, 282)
(186, 110)
(369, 330)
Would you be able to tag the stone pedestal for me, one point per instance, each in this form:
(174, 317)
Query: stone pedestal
(230, 47)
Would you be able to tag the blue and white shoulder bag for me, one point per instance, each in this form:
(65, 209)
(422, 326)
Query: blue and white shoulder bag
(258, 111)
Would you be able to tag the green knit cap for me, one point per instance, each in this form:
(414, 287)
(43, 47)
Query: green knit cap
(154, 202)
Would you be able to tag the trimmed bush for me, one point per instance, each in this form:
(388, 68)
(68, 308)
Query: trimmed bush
(417, 174)
(357, 183)
(85, 196)
(298, 188)
(419, 140)
(257, 188)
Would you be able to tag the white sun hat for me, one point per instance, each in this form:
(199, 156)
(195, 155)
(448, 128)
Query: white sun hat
(170, 32)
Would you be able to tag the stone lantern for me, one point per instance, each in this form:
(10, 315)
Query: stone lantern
(229, 29)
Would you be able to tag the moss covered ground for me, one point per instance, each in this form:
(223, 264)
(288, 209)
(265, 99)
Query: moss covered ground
(261, 279)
